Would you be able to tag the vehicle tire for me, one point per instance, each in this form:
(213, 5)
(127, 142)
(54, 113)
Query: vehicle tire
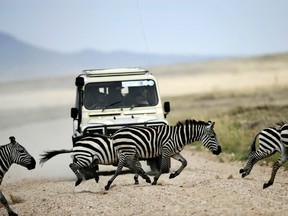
(155, 165)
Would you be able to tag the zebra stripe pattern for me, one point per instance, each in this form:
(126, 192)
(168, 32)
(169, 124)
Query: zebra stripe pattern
(271, 140)
(134, 143)
(87, 153)
(9, 154)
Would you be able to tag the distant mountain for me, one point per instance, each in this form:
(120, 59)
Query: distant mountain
(21, 61)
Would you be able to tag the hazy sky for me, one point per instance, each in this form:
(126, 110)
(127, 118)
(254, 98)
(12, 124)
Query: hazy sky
(202, 27)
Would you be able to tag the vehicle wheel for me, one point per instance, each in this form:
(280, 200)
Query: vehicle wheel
(167, 168)
(155, 165)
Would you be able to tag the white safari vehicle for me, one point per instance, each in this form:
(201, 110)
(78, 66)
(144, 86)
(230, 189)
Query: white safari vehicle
(108, 99)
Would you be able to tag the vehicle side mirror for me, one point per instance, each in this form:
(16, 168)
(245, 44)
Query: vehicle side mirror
(166, 107)
(74, 113)
(79, 82)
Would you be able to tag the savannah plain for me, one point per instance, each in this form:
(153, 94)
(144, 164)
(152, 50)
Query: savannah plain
(242, 96)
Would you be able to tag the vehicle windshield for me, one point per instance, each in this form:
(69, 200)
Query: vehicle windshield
(120, 94)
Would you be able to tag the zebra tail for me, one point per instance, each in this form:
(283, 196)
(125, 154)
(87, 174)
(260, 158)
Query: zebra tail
(253, 145)
(49, 154)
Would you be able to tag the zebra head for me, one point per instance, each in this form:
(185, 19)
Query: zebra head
(209, 138)
(19, 155)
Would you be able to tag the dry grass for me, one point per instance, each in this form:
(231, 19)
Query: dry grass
(240, 75)
(242, 96)
(238, 116)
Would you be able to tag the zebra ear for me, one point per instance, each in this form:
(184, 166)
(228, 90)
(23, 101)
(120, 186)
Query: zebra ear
(12, 139)
(211, 124)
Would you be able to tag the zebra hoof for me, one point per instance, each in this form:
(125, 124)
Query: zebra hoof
(107, 187)
(12, 214)
(78, 182)
(241, 171)
(97, 179)
(172, 175)
(154, 183)
(265, 185)
(244, 174)
(136, 180)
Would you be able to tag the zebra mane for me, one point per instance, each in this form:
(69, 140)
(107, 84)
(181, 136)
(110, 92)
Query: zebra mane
(4, 146)
(278, 125)
(191, 121)
(12, 140)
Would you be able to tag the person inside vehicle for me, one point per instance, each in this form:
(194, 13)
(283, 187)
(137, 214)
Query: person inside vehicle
(94, 98)
(136, 97)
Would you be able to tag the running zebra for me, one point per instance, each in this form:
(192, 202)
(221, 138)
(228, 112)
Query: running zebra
(9, 154)
(271, 140)
(165, 141)
(87, 153)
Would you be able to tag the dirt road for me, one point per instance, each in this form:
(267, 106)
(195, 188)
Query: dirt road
(205, 187)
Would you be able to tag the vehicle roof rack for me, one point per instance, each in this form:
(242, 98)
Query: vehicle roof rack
(115, 72)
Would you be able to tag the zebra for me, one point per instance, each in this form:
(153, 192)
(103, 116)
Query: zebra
(164, 141)
(87, 153)
(9, 154)
(271, 140)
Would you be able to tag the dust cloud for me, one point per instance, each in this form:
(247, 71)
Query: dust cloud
(39, 137)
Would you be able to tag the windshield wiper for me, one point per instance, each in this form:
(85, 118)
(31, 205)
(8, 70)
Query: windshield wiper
(112, 104)
(137, 105)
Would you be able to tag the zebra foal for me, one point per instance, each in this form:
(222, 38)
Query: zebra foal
(165, 141)
(9, 154)
(87, 153)
(271, 140)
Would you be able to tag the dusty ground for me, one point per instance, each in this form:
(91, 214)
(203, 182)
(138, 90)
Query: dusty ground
(205, 187)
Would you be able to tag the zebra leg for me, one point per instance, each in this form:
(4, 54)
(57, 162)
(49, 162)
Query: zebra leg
(75, 168)
(136, 178)
(136, 175)
(157, 176)
(144, 176)
(135, 165)
(180, 158)
(95, 167)
(122, 160)
(275, 168)
(90, 171)
(254, 157)
(6, 205)
(162, 166)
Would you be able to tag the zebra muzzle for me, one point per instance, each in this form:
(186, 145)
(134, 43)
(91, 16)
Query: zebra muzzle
(218, 151)
(32, 164)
